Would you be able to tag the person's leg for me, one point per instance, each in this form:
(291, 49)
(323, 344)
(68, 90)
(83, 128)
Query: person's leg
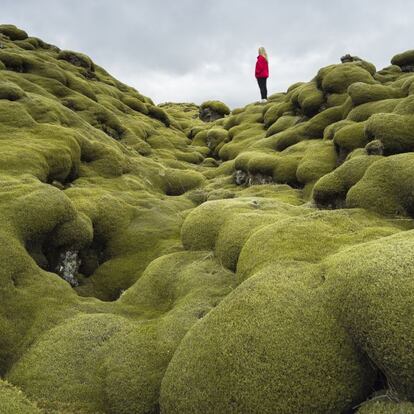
(262, 86)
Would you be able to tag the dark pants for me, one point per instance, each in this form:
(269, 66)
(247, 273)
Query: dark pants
(262, 86)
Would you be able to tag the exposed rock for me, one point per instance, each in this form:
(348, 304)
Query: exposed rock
(375, 147)
(348, 58)
(68, 266)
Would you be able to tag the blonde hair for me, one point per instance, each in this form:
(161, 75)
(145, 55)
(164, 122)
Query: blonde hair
(262, 52)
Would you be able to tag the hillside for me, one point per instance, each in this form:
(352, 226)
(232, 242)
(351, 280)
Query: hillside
(261, 262)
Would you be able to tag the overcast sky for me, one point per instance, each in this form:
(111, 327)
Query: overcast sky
(194, 50)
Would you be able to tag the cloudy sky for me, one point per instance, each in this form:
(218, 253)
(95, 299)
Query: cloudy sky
(194, 50)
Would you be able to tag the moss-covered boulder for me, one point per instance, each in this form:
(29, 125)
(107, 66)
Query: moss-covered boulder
(213, 110)
(337, 78)
(404, 60)
(386, 187)
(331, 190)
(77, 59)
(265, 333)
(12, 32)
(379, 323)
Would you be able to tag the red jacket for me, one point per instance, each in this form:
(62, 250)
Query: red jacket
(262, 67)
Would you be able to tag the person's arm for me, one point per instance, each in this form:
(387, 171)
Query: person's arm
(259, 68)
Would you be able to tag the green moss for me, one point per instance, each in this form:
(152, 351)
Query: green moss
(112, 356)
(201, 227)
(312, 129)
(309, 237)
(79, 85)
(12, 61)
(25, 45)
(386, 187)
(337, 78)
(283, 123)
(216, 136)
(280, 168)
(388, 74)
(386, 406)
(271, 115)
(364, 111)
(310, 99)
(87, 169)
(13, 401)
(158, 113)
(408, 85)
(319, 159)
(241, 137)
(263, 333)
(135, 104)
(336, 99)
(361, 93)
(216, 106)
(178, 182)
(393, 130)
(77, 59)
(350, 136)
(330, 131)
(294, 86)
(315, 127)
(379, 323)
(13, 32)
(10, 91)
(70, 371)
(403, 59)
(240, 226)
(331, 189)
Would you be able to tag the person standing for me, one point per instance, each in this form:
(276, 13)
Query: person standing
(262, 72)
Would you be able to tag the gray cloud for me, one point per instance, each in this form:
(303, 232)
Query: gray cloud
(196, 50)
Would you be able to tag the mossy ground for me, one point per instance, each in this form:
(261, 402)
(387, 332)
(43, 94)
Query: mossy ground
(153, 262)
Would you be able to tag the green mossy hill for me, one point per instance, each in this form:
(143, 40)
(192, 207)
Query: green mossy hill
(177, 258)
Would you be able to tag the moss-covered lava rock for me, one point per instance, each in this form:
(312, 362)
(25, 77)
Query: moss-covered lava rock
(256, 260)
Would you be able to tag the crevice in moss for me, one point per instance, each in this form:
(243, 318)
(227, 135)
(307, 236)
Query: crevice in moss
(248, 179)
(71, 264)
(63, 184)
(92, 257)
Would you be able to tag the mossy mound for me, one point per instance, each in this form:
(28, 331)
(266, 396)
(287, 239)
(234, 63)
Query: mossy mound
(386, 187)
(217, 106)
(109, 359)
(77, 59)
(404, 60)
(362, 92)
(12, 32)
(385, 406)
(309, 237)
(379, 322)
(213, 110)
(13, 401)
(331, 190)
(264, 333)
(337, 78)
